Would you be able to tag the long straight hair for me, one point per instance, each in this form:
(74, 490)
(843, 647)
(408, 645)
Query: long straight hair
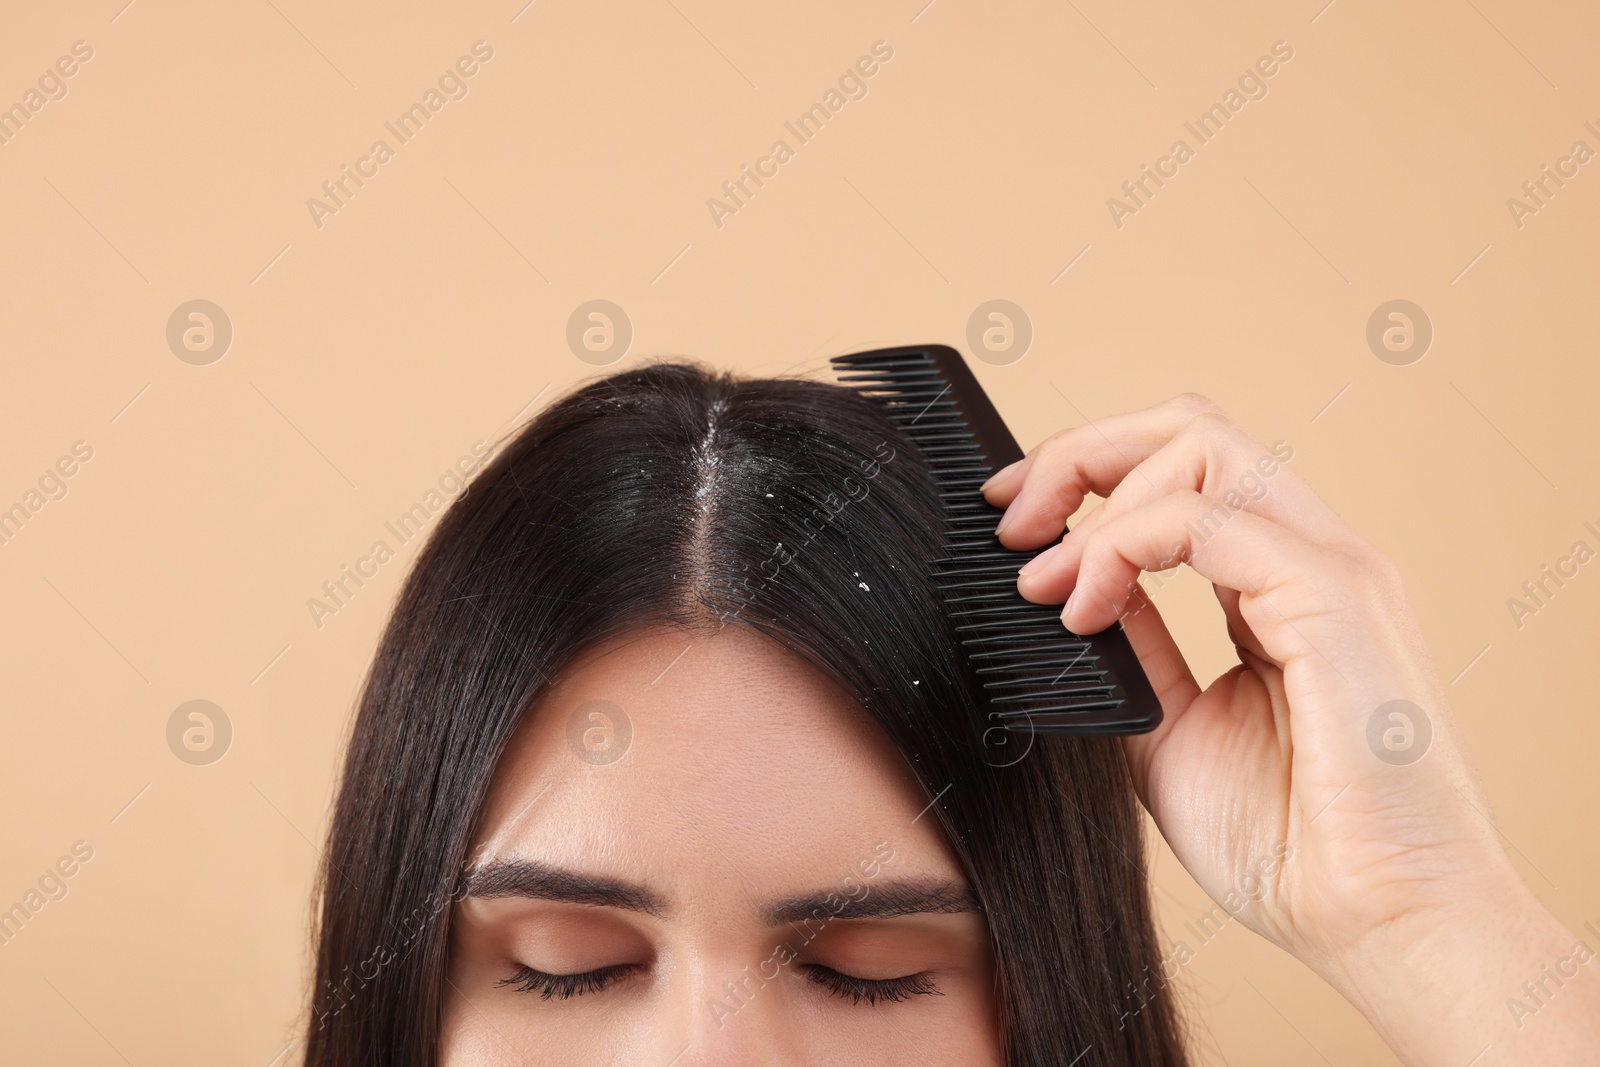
(656, 496)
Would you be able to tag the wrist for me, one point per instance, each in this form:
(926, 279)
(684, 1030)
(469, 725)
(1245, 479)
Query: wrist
(1490, 968)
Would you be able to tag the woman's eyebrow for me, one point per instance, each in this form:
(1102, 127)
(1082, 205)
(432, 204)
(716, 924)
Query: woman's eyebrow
(540, 881)
(885, 901)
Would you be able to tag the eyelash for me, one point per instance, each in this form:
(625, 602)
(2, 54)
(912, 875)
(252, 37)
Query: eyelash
(564, 986)
(844, 986)
(871, 990)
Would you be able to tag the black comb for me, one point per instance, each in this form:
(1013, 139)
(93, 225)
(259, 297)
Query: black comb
(1039, 676)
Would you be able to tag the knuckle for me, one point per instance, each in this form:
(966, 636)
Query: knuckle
(1213, 435)
(1372, 580)
(1368, 558)
(1059, 457)
(1060, 442)
(1381, 571)
(1212, 425)
(1197, 404)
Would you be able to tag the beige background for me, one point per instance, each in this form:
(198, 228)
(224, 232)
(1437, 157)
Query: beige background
(430, 312)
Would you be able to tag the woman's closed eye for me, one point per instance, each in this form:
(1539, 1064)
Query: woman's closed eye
(870, 990)
(847, 987)
(563, 986)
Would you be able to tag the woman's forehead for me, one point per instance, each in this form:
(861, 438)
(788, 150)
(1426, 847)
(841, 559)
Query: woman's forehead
(683, 758)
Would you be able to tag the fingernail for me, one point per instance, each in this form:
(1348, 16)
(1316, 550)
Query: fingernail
(1038, 562)
(1005, 517)
(995, 477)
(1065, 608)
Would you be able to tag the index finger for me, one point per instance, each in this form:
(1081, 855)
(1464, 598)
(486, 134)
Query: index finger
(1131, 459)
(1075, 465)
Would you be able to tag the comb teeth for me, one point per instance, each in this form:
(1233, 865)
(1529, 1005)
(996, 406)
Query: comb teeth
(1038, 675)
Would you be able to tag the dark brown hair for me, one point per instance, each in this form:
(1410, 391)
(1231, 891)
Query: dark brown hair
(655, 497)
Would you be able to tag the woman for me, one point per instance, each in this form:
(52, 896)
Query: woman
(669, 756)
